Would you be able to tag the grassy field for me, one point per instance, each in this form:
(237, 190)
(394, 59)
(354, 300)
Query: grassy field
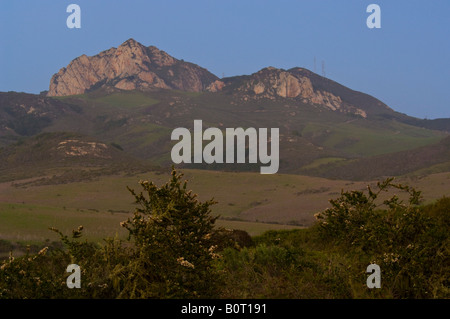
(249, 201)
(29, 223)
(323, 161)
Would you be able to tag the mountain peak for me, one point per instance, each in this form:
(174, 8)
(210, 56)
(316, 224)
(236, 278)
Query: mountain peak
(269, 68)
(297, 84)
(131, 66)
(131, 42)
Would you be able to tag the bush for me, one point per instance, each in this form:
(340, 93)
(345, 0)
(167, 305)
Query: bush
(170, 254)
(172, 234)
(275, 271)
(408, 244)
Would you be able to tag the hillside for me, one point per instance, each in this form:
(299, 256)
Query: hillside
(141, 123)
(427, 159)
(134, 96)
(23, 114)
(64, 157)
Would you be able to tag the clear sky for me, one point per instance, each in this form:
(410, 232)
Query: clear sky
(406, 63)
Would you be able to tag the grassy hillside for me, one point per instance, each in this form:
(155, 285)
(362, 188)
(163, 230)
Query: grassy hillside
(420, 161)
(65, 157)
(141, 124)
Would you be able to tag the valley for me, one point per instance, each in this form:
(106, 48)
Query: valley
(247, 201)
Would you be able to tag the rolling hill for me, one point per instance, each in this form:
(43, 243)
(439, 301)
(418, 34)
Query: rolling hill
(433, 158)
(61, 157)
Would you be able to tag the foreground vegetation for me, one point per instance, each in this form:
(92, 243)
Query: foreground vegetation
(175, 250)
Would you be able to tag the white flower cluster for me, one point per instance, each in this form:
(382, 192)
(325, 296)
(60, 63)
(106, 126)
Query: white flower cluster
(183, 262)
(212, 253)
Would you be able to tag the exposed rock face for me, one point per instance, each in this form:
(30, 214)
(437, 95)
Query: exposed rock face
(133, 66)
(130, 66)
(270, 83)
(216, 86)
(75, 148)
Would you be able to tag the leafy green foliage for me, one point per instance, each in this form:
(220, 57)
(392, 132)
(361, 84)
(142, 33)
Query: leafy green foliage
(386, 226)
(172, 233)
(410, 246)
(174, 250)
(283, 265)
(169, 254)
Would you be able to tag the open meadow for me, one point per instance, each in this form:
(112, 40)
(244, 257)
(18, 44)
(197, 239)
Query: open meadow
(247, 201)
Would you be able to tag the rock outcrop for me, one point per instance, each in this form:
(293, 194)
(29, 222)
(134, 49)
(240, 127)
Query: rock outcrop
(131, 66)
(77, 148)
(270, 83)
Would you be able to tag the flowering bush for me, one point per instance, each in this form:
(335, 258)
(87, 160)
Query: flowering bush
(169, 254)
(173, 249)
(410, 246)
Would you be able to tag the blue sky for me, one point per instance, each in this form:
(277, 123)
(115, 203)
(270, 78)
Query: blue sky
(406, 63)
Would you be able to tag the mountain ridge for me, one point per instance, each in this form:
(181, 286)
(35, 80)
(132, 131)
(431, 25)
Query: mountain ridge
(130, 66)
(133, 66)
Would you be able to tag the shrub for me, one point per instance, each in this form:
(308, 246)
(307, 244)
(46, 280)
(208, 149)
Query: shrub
(169, 254)
(173, 250)
(410, 246)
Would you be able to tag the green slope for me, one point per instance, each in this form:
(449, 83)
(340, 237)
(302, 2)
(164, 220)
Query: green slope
(142, 122)
(424, 160)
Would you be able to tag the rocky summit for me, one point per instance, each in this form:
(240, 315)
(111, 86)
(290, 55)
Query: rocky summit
(296, 83)
(131, 66)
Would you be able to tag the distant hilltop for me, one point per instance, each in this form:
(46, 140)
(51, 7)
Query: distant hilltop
(133, 66)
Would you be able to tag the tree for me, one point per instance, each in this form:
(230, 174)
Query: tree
(173, 249)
